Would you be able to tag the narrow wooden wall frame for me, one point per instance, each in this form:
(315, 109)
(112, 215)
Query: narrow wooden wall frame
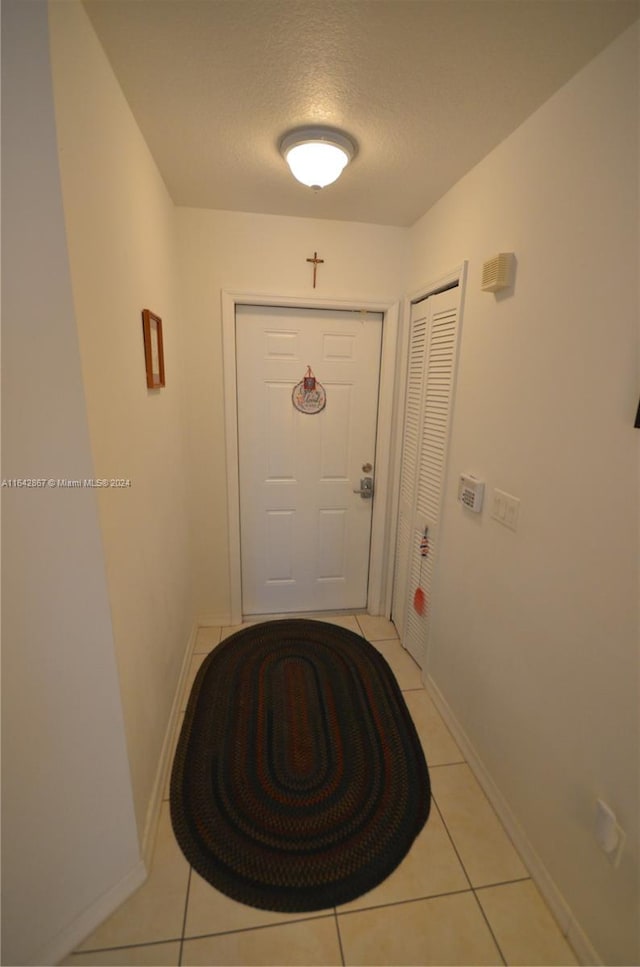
(153, 349)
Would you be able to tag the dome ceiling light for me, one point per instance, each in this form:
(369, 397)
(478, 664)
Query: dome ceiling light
(317, 156)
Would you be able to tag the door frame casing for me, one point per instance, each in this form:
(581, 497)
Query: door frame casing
(381, 532)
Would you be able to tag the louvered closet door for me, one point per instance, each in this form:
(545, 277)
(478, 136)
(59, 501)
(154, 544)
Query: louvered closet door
(433, 342)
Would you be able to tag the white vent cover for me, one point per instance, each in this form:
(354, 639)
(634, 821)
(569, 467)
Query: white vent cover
(497, 272)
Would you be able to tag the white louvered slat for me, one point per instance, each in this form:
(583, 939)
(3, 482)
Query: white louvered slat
(437, 406)
(415, 376)
(433, 343)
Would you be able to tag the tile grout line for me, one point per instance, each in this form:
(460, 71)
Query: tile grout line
(471, 886)
(475, 897)
(326, 914)
(486, 920)
(124, 946)
(451, 840)
(342, 958)
(405, 902)
(490, 886)
(184, 917)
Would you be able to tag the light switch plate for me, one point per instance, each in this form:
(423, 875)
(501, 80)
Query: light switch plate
(505, 509)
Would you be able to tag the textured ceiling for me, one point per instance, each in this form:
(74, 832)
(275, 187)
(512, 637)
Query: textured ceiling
(426, 87)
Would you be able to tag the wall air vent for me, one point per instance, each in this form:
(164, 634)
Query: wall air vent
(497, 273)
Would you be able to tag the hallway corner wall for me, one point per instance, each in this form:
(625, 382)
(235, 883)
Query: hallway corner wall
(69, 842)
(534, 636)
(121, 238)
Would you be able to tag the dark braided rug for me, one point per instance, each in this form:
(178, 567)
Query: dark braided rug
(299, 782)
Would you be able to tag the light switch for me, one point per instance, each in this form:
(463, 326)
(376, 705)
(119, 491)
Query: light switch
(505, 509)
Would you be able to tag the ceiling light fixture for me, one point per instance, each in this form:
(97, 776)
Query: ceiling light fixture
(317, 156)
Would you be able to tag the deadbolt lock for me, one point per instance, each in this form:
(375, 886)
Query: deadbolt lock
(367, 468)
(366, 488)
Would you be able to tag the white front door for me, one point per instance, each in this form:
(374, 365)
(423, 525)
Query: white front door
(305, 534)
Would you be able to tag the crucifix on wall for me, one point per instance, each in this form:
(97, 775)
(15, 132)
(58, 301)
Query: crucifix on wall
(316, 262)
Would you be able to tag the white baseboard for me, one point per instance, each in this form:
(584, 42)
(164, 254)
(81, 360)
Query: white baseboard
(164, 763)
(576, 936)
(72, 935)
(584, 949)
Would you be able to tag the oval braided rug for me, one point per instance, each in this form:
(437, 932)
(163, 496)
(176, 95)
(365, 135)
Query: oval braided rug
(299, 781)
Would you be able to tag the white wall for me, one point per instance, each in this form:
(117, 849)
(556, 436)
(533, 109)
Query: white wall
(120, 225)
(535, 633)
(257, 254)
(68, 828)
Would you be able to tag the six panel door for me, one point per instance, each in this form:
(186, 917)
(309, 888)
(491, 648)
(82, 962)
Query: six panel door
(305, 533)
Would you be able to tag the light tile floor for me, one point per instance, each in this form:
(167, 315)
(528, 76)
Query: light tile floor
(461, 896)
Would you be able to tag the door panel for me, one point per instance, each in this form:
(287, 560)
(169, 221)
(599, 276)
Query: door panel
(433, 341)
(305, 535)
